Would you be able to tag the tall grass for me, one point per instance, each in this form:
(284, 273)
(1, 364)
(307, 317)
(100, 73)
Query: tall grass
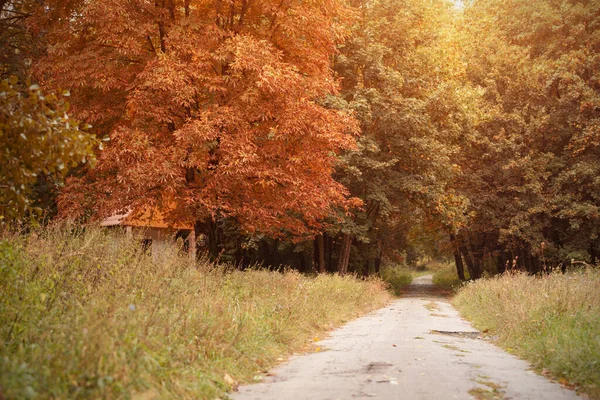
(553, 321)
(88, 314)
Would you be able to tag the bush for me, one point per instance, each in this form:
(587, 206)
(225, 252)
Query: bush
(553, 321)
(88, 314)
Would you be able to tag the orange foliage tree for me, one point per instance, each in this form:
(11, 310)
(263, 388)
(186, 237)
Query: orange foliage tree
(211, 105)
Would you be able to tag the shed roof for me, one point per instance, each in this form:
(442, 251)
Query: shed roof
(148, 217)
(115, 219)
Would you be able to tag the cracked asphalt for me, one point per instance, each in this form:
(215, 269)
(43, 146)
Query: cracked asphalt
(418, 347)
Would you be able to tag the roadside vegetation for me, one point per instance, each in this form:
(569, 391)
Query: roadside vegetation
(444, 275)
(553, 321)
(397, 276)
(87, 314)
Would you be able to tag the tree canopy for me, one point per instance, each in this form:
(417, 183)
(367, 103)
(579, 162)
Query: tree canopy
(210, 105)
(381, 129)
(535, 196)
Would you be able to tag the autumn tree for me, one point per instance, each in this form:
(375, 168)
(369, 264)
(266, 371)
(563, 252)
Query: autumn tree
(18, 46)
(210, 105)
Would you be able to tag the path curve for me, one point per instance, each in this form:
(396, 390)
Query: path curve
(417, 347)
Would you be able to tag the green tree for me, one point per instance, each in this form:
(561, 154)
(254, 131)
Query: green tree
(530, 162)
(398, 79)
(37, 138)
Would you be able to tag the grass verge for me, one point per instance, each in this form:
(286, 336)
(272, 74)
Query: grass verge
(89, 315)
(553, 321)
(444, 275)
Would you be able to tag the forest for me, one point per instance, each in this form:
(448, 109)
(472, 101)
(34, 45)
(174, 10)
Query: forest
(326, 135)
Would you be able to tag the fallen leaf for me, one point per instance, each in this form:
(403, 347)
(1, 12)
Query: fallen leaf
(563, 381)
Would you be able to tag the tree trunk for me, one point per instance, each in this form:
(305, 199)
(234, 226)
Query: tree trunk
(475, 265)
(209, 230)
(366, 268)
(527, 259)
(379, 257)
(270, 258)
(593, 254)
(329, 243)
(302, 262)
(344, 254)
(460, 268)
(502, 263)
(521, 260)
(320, 256)
(535, 264)
(468, 261)
(275, 254)
(214, 241)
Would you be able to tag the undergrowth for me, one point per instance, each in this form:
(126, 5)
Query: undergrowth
(88, 314)
(553, 321)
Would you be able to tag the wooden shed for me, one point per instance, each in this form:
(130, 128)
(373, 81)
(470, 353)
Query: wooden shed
(156, 231)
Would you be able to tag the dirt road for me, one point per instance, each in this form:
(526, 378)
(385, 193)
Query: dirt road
(416, 348)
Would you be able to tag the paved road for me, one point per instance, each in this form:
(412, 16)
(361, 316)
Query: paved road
(416, 348)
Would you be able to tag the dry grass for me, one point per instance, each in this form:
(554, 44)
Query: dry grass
(553, 321)
(87, 315)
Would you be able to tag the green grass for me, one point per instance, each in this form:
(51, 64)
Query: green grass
(553, 321)
(417, 274)
(397, 277)
(444, 275)
(90, 315)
